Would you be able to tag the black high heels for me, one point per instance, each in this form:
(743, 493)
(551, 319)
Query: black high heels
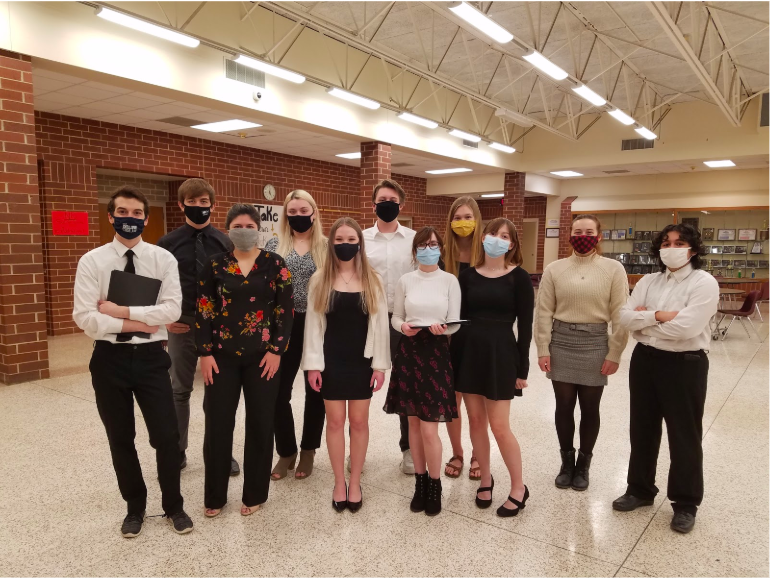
(484, 504)
(355, 506)
(340, 507)
(504, 512)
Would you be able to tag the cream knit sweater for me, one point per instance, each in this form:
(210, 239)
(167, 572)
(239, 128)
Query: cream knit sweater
(582, 290)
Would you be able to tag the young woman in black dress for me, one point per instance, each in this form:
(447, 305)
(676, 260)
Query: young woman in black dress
(347, 351)
(493, 364)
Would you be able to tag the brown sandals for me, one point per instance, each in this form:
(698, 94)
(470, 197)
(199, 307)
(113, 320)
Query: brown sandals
(475, 472)
(306, 459)
(451, 470)
(281, 469)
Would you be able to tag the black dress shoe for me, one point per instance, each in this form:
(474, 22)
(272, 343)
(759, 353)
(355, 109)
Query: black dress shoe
(355, 506)
(567, 470)
(504, 512)
(235, 469)
(341, 506)
(629, 503)
(580, 479)
(683, 522)
(420, 492)
(484, 504)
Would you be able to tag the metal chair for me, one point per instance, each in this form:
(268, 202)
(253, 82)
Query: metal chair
(764, 297)
(745, 312)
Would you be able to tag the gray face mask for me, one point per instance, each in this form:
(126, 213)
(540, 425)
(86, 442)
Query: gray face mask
(244, 239)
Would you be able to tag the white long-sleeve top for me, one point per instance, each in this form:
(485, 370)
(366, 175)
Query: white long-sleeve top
(92, 282)
(390, 254)
(694, 293)
(427, 298)
(377, 346)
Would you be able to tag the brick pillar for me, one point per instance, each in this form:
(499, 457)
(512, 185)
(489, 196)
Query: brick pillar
(565, 227)
(375, 166)
(513, 209)
(66, 187)
(23, 342)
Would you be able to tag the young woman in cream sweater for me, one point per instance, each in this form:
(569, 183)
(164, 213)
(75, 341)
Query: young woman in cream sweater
(578, 297)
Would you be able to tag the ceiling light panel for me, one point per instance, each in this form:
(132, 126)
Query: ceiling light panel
(566, 174)
(481, 22)
(646, 133)
(719, 164)
(409, 117)
(226, 125)
(541, 62)
(354, 98)
(621, 116)
(270, 69)
(502, 147)
(493, 196)
(350, 155)
(586, 93)
(465, 135)
(448, 171)
(146, 27)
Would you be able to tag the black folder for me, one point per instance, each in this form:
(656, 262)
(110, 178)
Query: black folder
(132, 290)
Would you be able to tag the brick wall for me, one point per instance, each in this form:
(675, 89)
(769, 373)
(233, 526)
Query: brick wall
(565, 227)
(490, 209)
(155, 191)
(424, 210)
(535, 208)
(23, 345)
(513, 209)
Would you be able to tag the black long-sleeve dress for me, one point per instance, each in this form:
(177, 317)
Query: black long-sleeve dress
(486, 355)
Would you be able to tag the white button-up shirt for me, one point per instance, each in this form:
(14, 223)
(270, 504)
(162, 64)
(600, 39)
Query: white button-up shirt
(694, 293)
(391, 256)
(92, 282)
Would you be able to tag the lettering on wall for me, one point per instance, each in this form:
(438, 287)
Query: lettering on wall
(70, 223)
(270, 217)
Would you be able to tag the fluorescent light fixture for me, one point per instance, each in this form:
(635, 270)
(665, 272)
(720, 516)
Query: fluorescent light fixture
(622, 117)
(465, 135)
(646, 133)
(409, 117)
(226, 125)
(539, 61)
(566, 174)
(516, 117)
(482, 22)
(719, 164)
(589, 95)
(350, 155)
(492, 195)
(502, 147)
(270, 69)
(354, 98)
(448, 171)
(146, 27)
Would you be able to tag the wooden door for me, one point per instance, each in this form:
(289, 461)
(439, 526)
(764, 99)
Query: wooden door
(155, 229)
(529, 245)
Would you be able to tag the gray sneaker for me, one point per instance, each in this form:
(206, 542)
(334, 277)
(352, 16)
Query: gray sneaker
(407, 463)
(181, 522)
(132, 525)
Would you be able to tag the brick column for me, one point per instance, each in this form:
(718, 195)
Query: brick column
(23, 342)
(375, 166)
(513, 209)
(565, 227)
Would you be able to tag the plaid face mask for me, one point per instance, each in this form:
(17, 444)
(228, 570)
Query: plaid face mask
(583, 243)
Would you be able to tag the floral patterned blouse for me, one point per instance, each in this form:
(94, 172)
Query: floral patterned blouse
(239, 315)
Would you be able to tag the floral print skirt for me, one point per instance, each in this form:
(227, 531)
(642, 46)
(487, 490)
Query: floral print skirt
(422, 380)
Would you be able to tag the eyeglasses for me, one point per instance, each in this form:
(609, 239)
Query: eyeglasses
(433, 245)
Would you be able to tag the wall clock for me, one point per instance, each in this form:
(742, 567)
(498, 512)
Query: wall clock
(269, 192)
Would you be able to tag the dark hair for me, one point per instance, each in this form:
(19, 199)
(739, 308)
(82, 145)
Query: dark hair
(194, 188)
(239, 209)
(687, 233)
(389, 184)
(598, 223)
(128, 192)
(423, 236)
(512, 257)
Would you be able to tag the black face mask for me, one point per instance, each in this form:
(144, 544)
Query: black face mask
(197, 215)
(346, 251)
(300, 223)
(128, 227)
(387, 210)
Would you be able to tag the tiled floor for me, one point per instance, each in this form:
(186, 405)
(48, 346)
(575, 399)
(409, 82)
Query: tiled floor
(61, 509)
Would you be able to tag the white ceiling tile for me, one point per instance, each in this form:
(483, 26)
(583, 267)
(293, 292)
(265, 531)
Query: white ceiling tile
(120, 119)
(40, 72)
(161, 99)
(87, 92)
(131, 101)
(48, 84)
(68, 99)
(109, 107)
(172, 109)
(49, 105)
(147, 114)
(107, 87)
(80, 111)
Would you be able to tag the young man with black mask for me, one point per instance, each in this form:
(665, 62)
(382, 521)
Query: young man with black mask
(192, 244)
(126, 365)
(389, 249)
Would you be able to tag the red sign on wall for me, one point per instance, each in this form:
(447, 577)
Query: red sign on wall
(69, 223)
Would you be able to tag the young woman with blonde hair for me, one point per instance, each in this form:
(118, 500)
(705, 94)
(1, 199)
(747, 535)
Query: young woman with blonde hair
(347, 351)
(492, 362)
(462, 250)
(301, 243)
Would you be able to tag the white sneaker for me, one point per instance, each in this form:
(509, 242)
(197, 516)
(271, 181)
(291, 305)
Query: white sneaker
(407, 463)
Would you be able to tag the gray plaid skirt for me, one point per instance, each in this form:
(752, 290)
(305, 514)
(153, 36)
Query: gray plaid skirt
(578, 351)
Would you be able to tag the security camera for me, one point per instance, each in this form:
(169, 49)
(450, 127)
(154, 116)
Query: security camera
(257, 95)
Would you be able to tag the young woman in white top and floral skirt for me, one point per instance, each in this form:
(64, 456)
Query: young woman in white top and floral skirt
(578, 297)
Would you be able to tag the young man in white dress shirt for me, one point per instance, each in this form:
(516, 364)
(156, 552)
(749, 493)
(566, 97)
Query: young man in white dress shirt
(389, 250)
(668, 314)
(129, 359)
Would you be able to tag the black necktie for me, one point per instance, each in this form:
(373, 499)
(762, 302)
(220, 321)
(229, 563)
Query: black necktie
(130, 264)
(200, 253)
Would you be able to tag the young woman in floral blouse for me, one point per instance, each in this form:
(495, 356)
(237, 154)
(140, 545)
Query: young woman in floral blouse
(243, 325)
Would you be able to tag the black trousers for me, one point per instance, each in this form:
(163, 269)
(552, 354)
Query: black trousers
(220, 403)
(395, 337)
(119, 373)
(672, 387)
(315, 412)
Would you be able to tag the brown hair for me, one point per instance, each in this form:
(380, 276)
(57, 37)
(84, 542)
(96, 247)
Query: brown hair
(423, 236)
(452, 252)
(512, 257)
(389, 184)
(128, 192)
(598, 223)
(194, 188)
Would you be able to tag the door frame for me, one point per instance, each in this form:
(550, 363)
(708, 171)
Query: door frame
(535, 220)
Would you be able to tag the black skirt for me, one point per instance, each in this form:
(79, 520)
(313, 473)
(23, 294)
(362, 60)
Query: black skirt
(422, 380)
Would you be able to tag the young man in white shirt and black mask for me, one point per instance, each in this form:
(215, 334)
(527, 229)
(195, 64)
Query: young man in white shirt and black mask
(125, 365)
(389, 250)
(668, 313)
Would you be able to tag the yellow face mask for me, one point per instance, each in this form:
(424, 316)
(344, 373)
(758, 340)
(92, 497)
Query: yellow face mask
(464, 228)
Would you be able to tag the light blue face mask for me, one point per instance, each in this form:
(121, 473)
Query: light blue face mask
(428, 256)
(495, 246)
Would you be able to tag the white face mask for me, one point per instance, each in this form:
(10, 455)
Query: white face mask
(244, 239)
(675, 257)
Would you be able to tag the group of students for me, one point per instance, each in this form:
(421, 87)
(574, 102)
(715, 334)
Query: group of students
(438, 310)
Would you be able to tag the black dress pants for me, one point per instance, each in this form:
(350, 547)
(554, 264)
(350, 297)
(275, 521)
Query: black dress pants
(672, 387)
(315, 411)
(119, 373)
(220, 402)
